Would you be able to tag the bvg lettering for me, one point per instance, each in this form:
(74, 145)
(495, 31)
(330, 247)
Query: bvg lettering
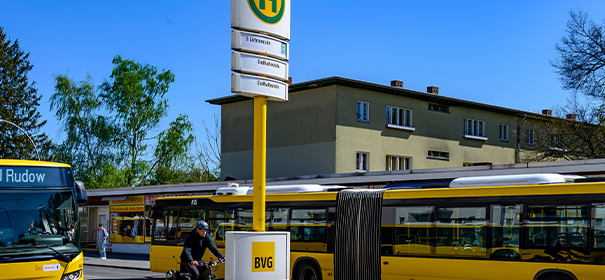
(263, 262)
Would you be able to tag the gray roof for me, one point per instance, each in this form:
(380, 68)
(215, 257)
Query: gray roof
(429, 97)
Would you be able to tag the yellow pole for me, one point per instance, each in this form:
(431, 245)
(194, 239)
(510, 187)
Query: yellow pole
(259, 162)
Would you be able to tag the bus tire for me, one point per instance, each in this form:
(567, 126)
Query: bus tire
(307, 271)
(556, 277)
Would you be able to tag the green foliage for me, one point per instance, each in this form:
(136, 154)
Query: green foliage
(135, 94)
(19, 103)
(108, 134)
(90, 142)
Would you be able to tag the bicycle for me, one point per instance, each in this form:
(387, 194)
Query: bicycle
(207, 274)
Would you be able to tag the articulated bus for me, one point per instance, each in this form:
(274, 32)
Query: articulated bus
(39, 229)
(535, 227)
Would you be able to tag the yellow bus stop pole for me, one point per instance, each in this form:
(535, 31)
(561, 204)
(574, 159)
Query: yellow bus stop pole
(259, 163)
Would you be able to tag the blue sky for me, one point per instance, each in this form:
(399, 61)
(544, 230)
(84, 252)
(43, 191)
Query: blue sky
(494, 52)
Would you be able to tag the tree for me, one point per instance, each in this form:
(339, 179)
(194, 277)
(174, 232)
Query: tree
(577, 131)
(208, 153)
(581, 61)
(574, 132)
(135, 93)
(89, 145)
(19, 101)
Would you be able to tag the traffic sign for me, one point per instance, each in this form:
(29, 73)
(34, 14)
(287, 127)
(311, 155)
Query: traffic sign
(251, 86)
(259, 65)
(259, 44)
(270, 17)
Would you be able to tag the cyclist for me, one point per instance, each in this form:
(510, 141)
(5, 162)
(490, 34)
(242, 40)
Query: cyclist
(194, 248)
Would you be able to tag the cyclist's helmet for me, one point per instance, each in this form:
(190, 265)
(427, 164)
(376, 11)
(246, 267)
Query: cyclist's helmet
(202, 225)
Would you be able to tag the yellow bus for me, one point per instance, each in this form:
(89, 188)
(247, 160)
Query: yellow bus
(505, 227)
(39, 229)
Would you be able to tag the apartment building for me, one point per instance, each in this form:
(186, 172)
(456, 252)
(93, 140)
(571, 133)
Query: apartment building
(339, 125)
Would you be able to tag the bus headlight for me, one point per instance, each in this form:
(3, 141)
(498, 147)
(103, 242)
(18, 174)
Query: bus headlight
(72, 276)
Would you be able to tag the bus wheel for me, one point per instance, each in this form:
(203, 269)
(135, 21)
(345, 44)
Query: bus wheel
(308, 271)
(556, 277)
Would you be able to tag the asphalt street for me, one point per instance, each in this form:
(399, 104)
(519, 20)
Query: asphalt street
(101, 273)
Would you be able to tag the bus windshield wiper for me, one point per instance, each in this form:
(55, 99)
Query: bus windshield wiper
(62, 256)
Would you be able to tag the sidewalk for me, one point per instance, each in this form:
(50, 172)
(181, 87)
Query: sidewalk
(117, 260)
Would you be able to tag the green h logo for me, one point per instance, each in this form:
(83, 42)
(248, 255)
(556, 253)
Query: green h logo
(268, 11)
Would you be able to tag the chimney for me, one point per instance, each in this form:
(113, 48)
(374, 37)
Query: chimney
(547, 112)
(396, 83)
(289, 80)
(432, 89)
(571, 117)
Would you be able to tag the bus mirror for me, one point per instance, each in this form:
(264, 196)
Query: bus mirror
(81, 192)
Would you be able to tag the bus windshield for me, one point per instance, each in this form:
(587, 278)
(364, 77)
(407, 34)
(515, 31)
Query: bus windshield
(32, 221)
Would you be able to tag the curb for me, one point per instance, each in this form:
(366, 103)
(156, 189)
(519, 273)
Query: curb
(121, 267)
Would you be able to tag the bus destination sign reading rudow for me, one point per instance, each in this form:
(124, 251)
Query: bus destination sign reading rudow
(263, 16)
(259, 65)
(248, 85)
(16, 176)
(259, 44)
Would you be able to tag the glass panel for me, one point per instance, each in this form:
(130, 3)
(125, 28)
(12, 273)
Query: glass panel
(358, 110)
(475, 131)
(388, 114)
(557, 233)
(464, 126)
(413, 230)
(461, 232)
(506, 227)
(308, 229)
(166, 226)
(402, 116)
(188, 220)
(358, 164)
(219, 219)
(365, 111)
(469, 127)
(598, 233)
(387, 231)
(408, 118)
(394, 112)
(480, 131)
(394, 163)
(557, 211)
(364, 162)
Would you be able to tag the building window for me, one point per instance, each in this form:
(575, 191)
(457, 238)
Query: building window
(362, 162)
(399, 117)
(474, 128)
(530, 140)
(503, 132)
(398, 163)
(363, 111)
(438, 155)
(439, 108)
(557, 142)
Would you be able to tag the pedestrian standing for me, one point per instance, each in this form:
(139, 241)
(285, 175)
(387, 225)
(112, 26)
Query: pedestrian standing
(101, 238)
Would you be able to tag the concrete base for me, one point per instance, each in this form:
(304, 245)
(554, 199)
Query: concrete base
(130, 248)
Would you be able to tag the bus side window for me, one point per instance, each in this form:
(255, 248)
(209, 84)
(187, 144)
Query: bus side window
(597, 253)
(187, 220)
(556, 232)
(413, 230)
(461, 232)
(505, 226)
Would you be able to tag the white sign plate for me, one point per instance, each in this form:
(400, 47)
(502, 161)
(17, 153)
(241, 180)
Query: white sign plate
(259, 65)
(270, 17)
(51, 267)
(251, 86)
(260, 44)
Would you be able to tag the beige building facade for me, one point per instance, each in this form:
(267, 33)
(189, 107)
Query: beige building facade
(338, 125)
